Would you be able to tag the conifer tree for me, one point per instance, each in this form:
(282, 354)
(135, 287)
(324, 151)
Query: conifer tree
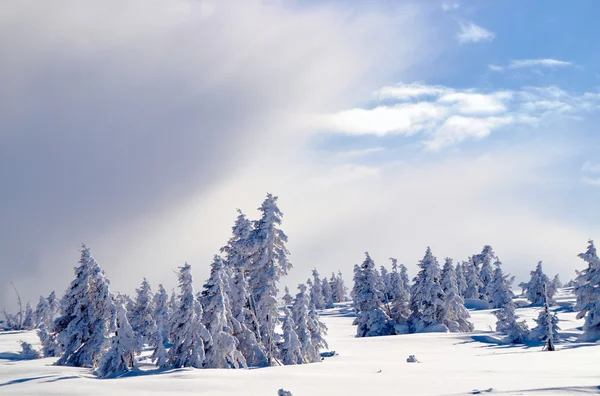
(188, 334)
(427, 296)
(472, 279)
(316, 290)
(267, 264)
(119, 358)
(300, 316)
(54, 305)
(50, 346)
(287, 298)
(317, 329)
(456, 317)
(516, 332)
(42, 313)
(372, 320)
(387, 289)
(547, 326)
(291, 349)
(500, 288)
(588, 293)
(327, 293)
(29, 317)
(338, 288)
(555, 284)
(395, 283)
(400, 311)
(142, 317)
(161, 336)
(535, 287)
(483, 264)
(461, 281)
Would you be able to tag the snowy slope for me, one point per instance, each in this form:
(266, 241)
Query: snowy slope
(450, 364)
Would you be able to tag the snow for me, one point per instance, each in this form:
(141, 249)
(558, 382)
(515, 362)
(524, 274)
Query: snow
(449, 364)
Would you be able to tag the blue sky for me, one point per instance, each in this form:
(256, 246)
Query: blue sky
(384, 126)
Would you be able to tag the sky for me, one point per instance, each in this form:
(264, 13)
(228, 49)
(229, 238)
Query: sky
(140, 127)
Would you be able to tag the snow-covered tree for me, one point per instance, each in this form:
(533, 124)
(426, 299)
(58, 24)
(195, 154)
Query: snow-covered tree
(500, 288)
(427, 296)
(588, 293)
(188, 334)
(316, 291)
(394, 283)
(516, 332)
(387, 288)
(161, 335)
(141, 317)
(327, 293)
(555, 284)
(221, 351)
(317, 329)
(400, 311)
(291, 349)
(547, 326)
(42, 313)
(483, 263)
(267, 264)
(338, 288)
(50, 346)
(29, 317)
(456, 317)
(372, 320)
(472, 279)
(28, 352)
(535, 286)
(300, 316)
(461, 280)
(287, 298)
(54, 304)
(86, 310)
(119, 358)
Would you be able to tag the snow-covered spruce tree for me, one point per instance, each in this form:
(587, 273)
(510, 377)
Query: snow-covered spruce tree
(456, 317)
(300, 316)
(395, 283)
(119, 358)
(54, 304)
(536, 285)
(385, 278)
(400, 311)
(50, 347)
(404, 278)
(161, 317)
(291, 349)
(372, 320)
(588, 293)
(141, 317)
(221, 351)
(500, 289)
(316, 290)
(427, 296)
(547, 326)
(338, 288)
(461, 280)
(287, 298)
(483, 263)
(86, 309)
(472, 279)
(317, 329)
(555, 284)
(267, 264)
(327, 293)
(42, 313)
(29, 318)
(516, 332)
(188, 334)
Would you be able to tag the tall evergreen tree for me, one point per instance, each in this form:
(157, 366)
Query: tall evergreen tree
(588, 293)
(291, 349)
(338, 288)
(268, 263)
(141, 317)
(500, 289)
(300, 316)
(162, 320)
(400, 311)
(119, 358)
(535, 287)
(387, 289)
(427, 296)
(483, 263)
(547, 326)
(461, 280)
(327, 293)
(472, 279)
(456, 317)
(188, 333)
(372, 319)
(42, 313)
(316, 291)
(54, 304)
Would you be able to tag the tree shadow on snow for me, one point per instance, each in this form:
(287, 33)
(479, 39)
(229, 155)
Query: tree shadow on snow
(22, 380)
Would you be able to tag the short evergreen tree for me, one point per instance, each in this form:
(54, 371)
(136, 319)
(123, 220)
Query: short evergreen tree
(536, 285)
(162, 320)
(588, 292)
(317, 329)
(456, 317)
(54, 305)
(427, 296)
(291, 349)
(338, 288)
(316, 291)
(500, 288)
(267, 264)
(472, 279)
(516, 332)
(461, 280)
(28, 352)
(547, 326)
(43, 314)
(142, 317)
(29, 318)
(387, 288)
(188, 334)
(483, 262)
(119, 358)
(50, 346)
(372, 320)
(555, 284)
(300, 317)
(327, 293)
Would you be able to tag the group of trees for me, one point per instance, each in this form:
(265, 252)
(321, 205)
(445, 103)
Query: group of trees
(323, 293)
(232, 322)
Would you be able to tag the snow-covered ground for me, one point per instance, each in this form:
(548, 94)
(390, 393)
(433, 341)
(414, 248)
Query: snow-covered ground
(449, 364)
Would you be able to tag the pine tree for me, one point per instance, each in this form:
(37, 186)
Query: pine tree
(547, 326)
(188, 333)
(588, 292)
(50, 346)
(268, 263)
(456, 317)
(161, 317)
(472, 279)
(395, 283)
(42, 313)
(555, 284)
(300, 316)
(317, 329)
(483, 264)
(500, 288)
(54, 305)
(287, 298)
(119, 358)
(291, 349)
(461, 281)
(338, 288)
(327, 293)
(404, 278)
(371, 318)
(427, 296)
(516, 332)
(535, 286)
(142, 317)
(85, 314)
(400, 311)
(387, 289)
(221, 351)
(316, 291)
(29, 318)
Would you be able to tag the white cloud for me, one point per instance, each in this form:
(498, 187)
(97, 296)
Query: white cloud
(547, 63)
(458, 128)
(472, 33)
(591, 167)
(474, 103)
(450, 6)
(591, 181)
(495, 68)
(410, 91)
